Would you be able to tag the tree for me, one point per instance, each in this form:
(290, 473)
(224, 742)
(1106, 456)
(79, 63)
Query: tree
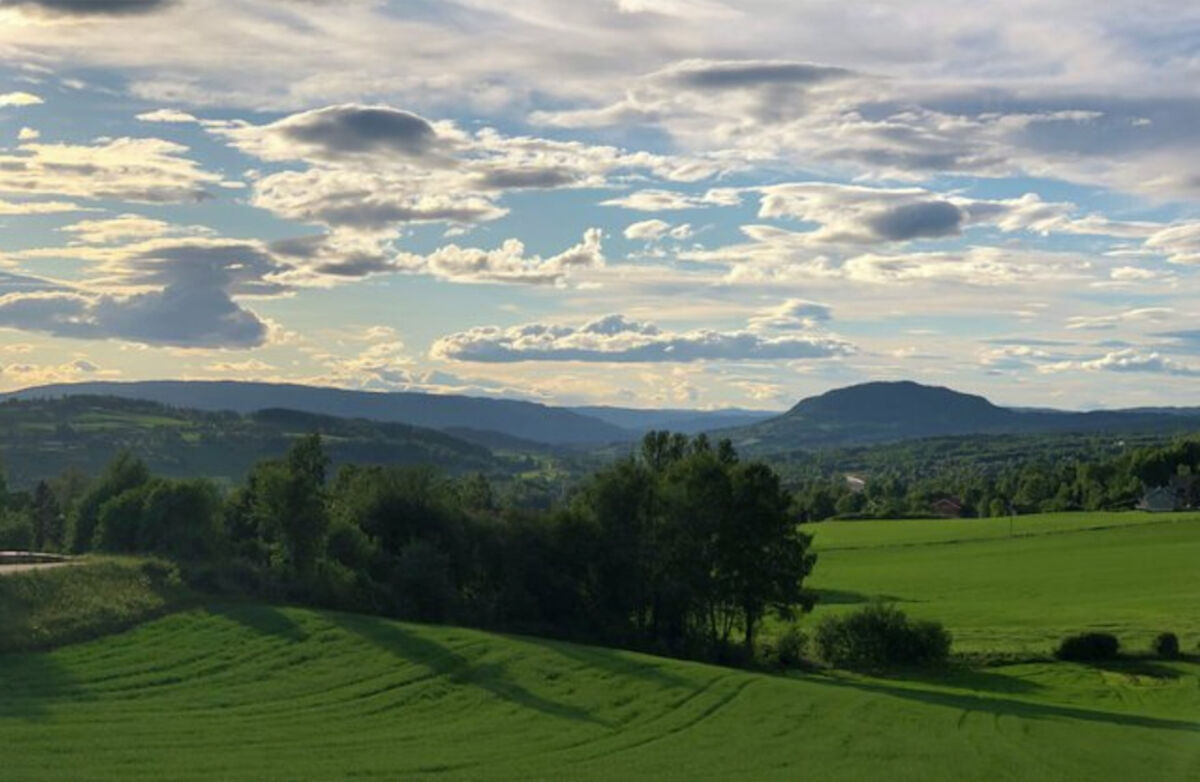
(48, 523)
(123, 473)
(181, 519)
(761, 557)
(290, 502)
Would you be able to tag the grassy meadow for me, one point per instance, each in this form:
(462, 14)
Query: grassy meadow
(1131, 574)
(244, 691)
(250, 692)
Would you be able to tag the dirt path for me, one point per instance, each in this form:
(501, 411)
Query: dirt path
(6, 569)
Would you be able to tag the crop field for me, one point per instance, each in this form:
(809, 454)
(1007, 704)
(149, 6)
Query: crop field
(249, 692)
(245, 691)
(1131, 574)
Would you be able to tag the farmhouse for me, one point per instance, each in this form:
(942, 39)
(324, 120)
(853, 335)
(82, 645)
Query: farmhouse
(947, 507)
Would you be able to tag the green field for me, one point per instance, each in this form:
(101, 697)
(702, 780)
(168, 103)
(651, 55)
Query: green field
(1132, 574)
(258, 693)
(233, 691)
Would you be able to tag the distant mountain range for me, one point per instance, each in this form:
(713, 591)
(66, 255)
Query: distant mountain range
(863, 414)
(892, 411)
(40, 438)
(479, 419)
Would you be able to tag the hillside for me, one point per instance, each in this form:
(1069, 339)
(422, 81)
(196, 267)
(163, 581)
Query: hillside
(248, 691)
(253, 692)
(524, 420)
(883, 412)
(41, 438)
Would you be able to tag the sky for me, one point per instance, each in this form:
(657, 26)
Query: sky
(648, 203)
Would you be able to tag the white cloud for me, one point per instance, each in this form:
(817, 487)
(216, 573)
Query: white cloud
(655, 200)
(146, 170)
(1104, 322)
(170, 116)
(791, 315)
(616, 339)
(179, 292)
(123, 228)
(19, 99)
(1126, 361)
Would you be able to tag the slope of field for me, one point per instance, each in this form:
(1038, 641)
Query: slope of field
(249, 692)
(1132, 574)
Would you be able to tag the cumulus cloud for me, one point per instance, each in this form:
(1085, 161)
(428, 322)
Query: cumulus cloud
(370, 201)
(655, 230)
(791, 315)
(376, 168)
(340, 255)
(145, 170)
(617, 339)
(1179, 243)
(345, 132)
(856, 214)
(509, 263)
(656, 200)
(19, 99)
(124, 228)
(776, 255)
(1128, 360)
(23, 374)
(177, 292)
(167, 116)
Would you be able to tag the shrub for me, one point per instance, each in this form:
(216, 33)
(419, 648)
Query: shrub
(789, 648)
(1166, 645)
(881, 634)
(1087, 647)
(16, 531)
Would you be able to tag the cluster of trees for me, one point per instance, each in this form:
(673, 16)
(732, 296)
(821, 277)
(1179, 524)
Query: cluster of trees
(1111, 482)
(682, 548)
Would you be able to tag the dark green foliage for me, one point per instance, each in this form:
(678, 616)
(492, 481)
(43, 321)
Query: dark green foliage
(178, 519)
(991, 476)
(16, 531)
(879, 634)
(791, 646)
(290, 508)
(683, 549)
(1166, 645)
(1088, 647)
(123, 473)
(49, 524)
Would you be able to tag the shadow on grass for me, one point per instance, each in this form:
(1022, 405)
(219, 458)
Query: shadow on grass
(30, 682)
(846, 597)
(969, 678)
(1135, 666)
(999, 706)
(609, 660)
(260, 618)
(443, 661)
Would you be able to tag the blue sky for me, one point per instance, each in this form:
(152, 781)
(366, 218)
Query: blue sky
(682, 203)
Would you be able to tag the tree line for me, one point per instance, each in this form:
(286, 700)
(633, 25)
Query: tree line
(680, 548)
(1036, 485)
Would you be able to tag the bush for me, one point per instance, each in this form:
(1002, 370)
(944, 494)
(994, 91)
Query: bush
(881, 634)
(1166, 645)
(16, 532)
(1087, 647)
(789, 649)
